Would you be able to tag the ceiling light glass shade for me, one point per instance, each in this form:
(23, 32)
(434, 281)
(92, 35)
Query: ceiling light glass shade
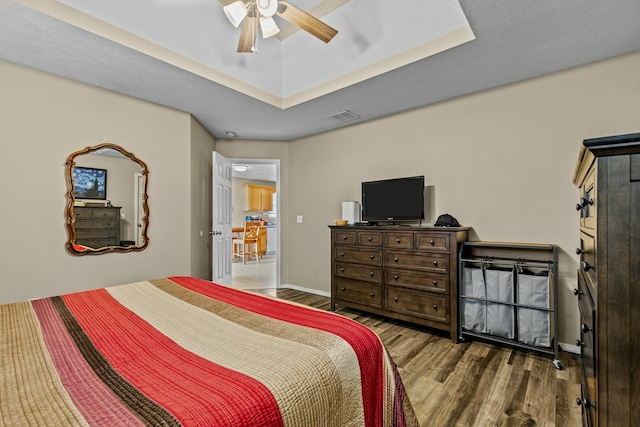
(267, 8)
(240, 168)
(235, 12)
(268, 27)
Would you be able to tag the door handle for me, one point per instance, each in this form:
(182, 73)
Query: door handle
(215, 233)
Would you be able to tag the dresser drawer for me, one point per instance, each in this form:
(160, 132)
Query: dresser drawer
(359, 272)
(105, 214)
(418, 261)
(96, 233)
(420, 304)
(588, 200)
(370, 238)
(358, 292)
(358, 255)
(97, 243)
(588, 256)
(344, 237)
(432, 241)
(399, 240)
(92, 225)
(432, 282)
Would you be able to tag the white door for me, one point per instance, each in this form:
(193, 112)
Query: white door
(221, 221)
(138, 213)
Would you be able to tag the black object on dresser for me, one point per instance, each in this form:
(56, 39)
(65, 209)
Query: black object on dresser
(608, 292)
(97, 227)
(406, 273)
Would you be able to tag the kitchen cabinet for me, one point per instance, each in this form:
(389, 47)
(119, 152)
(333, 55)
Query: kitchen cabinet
(257, 198)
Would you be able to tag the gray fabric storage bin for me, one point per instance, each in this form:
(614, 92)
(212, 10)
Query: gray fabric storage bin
(534, 326)
(500, 317)
(473, 312)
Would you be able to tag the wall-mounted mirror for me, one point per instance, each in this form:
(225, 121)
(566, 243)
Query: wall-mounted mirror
(107, 208)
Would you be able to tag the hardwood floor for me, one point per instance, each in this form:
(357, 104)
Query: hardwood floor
(471, 384)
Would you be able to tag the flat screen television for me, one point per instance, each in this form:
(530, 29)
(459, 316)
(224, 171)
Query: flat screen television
(89, 183)
(393, 200)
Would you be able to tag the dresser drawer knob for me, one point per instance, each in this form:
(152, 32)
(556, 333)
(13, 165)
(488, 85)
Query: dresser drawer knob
(344, 238)
(579, 251)
(341, 253)
(431, 242)
(395, 259)
(586, 266)
(396, 299)
(435, 307)
(371, 256)
(578, 292)
(579, 343)
(371, 273)
(370, 238)
(585, 328)
(395, 277)
(372, 294)
(397, 240)
(342, 288)
(583, 203)
(585, 403)
(435, 283)
(435, 262)
(342, 270)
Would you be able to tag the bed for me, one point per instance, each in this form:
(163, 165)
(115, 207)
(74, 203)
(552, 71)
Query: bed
(183, 351)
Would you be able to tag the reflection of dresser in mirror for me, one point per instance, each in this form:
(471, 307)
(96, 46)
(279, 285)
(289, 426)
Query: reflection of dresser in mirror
(97, 227)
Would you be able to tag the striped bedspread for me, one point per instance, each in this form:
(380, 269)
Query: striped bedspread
(183, 351)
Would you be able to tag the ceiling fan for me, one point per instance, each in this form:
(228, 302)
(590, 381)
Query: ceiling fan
(254, 13)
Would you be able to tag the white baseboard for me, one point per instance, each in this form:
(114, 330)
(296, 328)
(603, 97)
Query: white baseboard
(308, 290)
(569, 348)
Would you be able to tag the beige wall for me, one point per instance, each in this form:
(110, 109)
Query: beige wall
(43, 119)
(501, 161)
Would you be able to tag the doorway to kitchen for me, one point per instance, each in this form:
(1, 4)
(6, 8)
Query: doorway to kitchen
(255, 197)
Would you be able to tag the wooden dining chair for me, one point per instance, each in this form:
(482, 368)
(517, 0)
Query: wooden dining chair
(249, 244)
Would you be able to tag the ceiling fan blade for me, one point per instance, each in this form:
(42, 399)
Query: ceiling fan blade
(248, 34)
(307, 22)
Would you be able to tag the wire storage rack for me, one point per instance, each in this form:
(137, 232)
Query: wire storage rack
(507, 293)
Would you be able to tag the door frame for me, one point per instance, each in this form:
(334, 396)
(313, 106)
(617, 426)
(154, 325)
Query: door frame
(275, 162)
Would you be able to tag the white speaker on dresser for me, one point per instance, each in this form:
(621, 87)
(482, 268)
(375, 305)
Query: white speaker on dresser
(351, 212)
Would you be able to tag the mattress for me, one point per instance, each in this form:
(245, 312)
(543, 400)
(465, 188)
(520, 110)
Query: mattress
(181, 351)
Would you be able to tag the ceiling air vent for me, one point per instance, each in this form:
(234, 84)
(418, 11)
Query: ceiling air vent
(344, 116)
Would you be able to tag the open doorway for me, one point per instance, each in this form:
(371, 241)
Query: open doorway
(251, 177)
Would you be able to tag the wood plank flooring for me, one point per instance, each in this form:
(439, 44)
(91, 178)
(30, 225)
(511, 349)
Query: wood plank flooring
(474, 383)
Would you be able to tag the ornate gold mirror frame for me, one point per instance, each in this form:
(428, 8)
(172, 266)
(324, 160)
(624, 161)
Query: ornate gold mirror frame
(76, 247)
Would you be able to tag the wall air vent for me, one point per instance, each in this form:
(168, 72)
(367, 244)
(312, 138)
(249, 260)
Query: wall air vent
(344, 116)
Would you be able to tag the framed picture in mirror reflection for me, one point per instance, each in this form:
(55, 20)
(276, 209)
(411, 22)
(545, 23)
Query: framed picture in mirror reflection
(89, 183)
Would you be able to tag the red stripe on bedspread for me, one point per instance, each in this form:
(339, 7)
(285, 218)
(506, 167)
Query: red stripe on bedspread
(196, 391)
(95, 401)
(364, 342)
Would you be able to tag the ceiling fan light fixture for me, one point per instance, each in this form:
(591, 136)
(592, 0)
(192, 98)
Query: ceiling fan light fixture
(235, 12)
(268, 27)
(267, 8)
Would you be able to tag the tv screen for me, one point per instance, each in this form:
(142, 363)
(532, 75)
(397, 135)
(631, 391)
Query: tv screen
(400, 199)
(89, 183)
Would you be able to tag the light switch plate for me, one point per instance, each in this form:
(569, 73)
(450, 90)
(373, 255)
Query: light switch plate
(299, 219)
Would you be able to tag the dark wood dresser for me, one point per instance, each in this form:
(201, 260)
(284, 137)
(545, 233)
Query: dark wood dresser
(97, 227)
(406, 273)
(608, 292)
